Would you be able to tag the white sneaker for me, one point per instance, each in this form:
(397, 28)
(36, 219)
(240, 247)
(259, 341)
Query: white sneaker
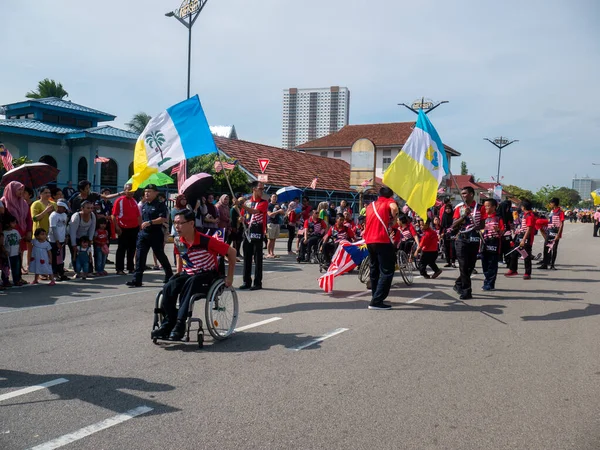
(382, 307)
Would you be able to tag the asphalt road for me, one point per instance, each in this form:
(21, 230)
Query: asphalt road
(517, 368)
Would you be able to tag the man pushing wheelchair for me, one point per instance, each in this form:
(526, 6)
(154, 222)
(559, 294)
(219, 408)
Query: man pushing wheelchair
(197, 268)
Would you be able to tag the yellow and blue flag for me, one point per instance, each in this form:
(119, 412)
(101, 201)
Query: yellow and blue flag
(417, 171)
(596, 197)
(177, 134)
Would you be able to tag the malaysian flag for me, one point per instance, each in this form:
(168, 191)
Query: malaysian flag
(313, 184)
(366, 183)
(181, 173)
(225, 165)
(101, 159)
(347, 256)
(6, 158)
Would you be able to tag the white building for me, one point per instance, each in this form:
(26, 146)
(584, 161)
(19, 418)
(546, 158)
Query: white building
(309, 114)
(585, 186)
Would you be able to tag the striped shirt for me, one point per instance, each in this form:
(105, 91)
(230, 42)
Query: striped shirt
(201, 255)
(313, 227)
(491, 222)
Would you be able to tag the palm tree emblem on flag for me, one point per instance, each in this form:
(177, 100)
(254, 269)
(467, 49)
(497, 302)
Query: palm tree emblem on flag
(156, 139)
(432, 157)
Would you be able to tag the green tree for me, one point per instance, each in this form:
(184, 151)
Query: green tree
(463, 168)
(520, 193)
(48, 88)
(138, 122)
(206, 164)
(18, 161)
(568, 197)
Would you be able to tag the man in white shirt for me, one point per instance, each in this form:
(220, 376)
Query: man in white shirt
(57, 237)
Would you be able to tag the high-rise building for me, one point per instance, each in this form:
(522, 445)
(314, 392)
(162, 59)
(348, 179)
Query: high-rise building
(585, 185)
(309, 114)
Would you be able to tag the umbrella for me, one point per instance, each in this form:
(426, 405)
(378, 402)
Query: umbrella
(289, 193)
(31, 175)
(159, 179)
(195, 186)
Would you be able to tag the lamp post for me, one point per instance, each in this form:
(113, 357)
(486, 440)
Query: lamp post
(187, 14)
(425, 104)
(500, 143)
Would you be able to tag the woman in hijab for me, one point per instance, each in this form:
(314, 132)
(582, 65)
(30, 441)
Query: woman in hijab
(223, 211)
(15, 204)
(446, 233)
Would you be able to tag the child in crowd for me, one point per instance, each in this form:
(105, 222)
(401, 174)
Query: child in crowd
(428, 245)
(4, 264)
(57, 236)
(41, 255)
(492, 233)
(12, 243)
(101, 247)
(83, 259)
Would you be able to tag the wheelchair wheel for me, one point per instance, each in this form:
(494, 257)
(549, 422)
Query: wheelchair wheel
(405, 267)
(159, 314)
(364, 271)
(221, 310)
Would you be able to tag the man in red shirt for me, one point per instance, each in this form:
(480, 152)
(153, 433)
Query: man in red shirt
(382, 252)
(525, 241)
(493, 230)
(127, 220)
(197, 268)
(556, 223)
(338, 232)
(314, 229)
(256, 225)
(429, 245)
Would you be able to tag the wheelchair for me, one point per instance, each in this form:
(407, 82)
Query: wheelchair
(319, 257)
(221, 311)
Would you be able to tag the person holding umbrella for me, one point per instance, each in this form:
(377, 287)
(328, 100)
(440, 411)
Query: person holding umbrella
(151, 236)
(15, 204)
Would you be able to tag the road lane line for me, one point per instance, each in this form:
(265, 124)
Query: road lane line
(257, 324)
(29, 389)
(319, 339)
(360, 294)
(414, 300)
(91, 429)
(79, 301)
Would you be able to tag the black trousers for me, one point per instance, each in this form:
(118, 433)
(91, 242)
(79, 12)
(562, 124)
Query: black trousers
(428, 259)
(15, 268)
(489, 263)
(329, 249)
(126, 245)
(58, 269)
(291, 236)
(505, 247)
(145, 242)
(514, 261)
(449, 250)
(596, 228)
(550, 255)
(183, 286)
(253, 250)
(383, 265)
(466, 254)
(307, 248)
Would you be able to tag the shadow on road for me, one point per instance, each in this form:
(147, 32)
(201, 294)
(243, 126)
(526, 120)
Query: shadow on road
(590, 310)
(105, 392)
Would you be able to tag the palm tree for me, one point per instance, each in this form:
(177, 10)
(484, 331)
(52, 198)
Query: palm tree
(138, 122)
(156, 138)
(48, 88)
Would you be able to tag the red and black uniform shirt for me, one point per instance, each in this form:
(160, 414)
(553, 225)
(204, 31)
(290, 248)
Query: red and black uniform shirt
(557, 217)
(340, 233)
(528, 220)
(200, 255)
(315, 228)
(491, 236)
(429, 241)
(468, 229)
(257, 223)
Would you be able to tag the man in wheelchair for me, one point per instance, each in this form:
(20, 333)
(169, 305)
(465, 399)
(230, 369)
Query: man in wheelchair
(197, 268)
(314, 229)
(337, 233)
(405, 235)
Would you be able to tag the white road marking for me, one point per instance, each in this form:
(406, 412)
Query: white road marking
(360, 294)
(29, 389)
(319, 339)
(80, 301)
(257, 324)
(91, 429)
(414, 300)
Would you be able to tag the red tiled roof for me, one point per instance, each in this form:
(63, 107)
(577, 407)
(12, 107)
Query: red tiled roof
(288, 167)
(381, 134)
(469, 180)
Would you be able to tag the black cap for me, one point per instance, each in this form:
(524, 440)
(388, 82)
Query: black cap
(152, 187)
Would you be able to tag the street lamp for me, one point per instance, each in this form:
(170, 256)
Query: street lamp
(500, 143)
(425, 104)
(187, 14)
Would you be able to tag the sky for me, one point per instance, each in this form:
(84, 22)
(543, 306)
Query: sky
(527, 70)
